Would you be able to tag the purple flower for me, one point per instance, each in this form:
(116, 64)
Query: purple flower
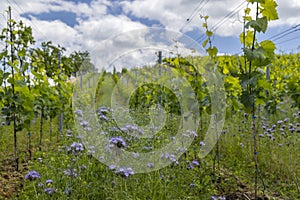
(69, 133)
(69, 172)
(68, 191)
(77, 147)
(84, 124)
(192, 133)
(286, 119)
(112, 167)
(218, 198)
(279, 122)
(195, 162)
(125, 171)
(103, 117)
(78, 113)
(202, 143)
(49, 191)
(32, 175)
(103, 110)
(119, 142)
(40, 185)
(40, 159)
(181, 149)
(150, 165)
(147, 148)
(91, 150)
(292, 129)
(193, 185)
(49, 181)
(171, 157)
(135, 155)
(83, 167)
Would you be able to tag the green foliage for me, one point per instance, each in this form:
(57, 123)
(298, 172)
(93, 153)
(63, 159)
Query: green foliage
(81, 63)
(211, 50)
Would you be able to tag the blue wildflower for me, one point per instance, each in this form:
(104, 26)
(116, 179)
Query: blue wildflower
(77, 147)
(150, 165)
(103, 117)
(69, 133)
(83, 167)
(79, 113)
(32, 175)
(40, 185)
(68, 191)
(91, 150)
(49, 191)
(193, 185)
(125, 171)
(195, 162)
(112, 167)
(84, 123)
(202, 143)
(118, 141)
(69, 172)
(135, 155)
(40, 160)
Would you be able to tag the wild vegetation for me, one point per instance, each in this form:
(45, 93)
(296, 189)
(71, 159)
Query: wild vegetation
(44, 122)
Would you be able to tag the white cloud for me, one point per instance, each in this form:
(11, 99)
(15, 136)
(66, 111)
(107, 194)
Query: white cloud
(95, 24)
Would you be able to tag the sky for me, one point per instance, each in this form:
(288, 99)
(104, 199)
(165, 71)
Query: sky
(128, 32)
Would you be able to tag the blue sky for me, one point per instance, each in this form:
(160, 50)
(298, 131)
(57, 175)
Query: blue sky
(85, 24)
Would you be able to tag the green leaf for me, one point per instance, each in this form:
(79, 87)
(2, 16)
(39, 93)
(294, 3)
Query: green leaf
(249, 54)
(247, 11)
(263, 83)
(261, 24)
(248, 38)
(212, 51)
(254, 1)
(209, 33)
(232, 84)
(269, 9)
(205, 43)
(247, 18)
(247, 100)
(269, 47)
(22, 52)
(235, 104)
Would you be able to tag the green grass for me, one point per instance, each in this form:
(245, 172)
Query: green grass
(228, 170)
(232, 177)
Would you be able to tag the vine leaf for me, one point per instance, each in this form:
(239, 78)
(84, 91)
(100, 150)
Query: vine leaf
(248, 38)
(209, 33)
(212, 51)
(269, 47)
(205, 43)
(259, 25)
(259, 1)
(269, 9)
